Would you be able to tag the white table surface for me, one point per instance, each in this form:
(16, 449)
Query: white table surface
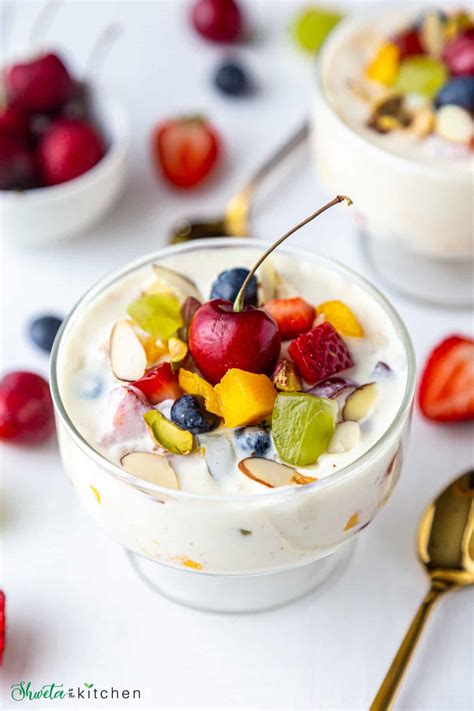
(76, 611)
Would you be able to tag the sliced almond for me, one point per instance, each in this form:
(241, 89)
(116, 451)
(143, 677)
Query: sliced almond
(271, 473)
(454, 123)
(268, 281)
(168, 280)
(433, 36)
(422, 121)
(360, 403)
(345, 437)
(128, 357)
(150, 467)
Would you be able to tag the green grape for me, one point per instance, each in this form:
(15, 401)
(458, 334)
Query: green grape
(421, 75)
(302, 426)
(311, 27)
(157, 314)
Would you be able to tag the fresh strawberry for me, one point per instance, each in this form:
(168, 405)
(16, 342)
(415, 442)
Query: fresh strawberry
(2, 625)
(68, 149)
(185, 150)
(447, 385)
(408, 43)
(160, 383)
(320, 353)
(293, 316)
(43, 84)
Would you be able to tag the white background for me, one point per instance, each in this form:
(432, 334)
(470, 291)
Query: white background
(76, 611)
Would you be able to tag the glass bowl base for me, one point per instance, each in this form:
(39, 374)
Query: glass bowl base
(238, 593)
(448, 283)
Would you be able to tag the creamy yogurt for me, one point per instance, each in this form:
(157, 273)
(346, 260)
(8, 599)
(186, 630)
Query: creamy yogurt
(224, 522)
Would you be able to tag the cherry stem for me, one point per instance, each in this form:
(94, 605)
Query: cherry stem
(43, 20)
(239, 301)
(100, 49)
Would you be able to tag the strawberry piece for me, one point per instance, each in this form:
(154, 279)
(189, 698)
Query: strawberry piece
(320, 353)
(159, 383)
(409, 43)
(185, 150)
(2, 625)
(43, 84)
(447, 385)
(293, 316)
(17, 163)
(68, 149)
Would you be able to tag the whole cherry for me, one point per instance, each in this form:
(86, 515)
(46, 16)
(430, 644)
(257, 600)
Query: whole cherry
(217, 20)
(17, 163)
(26, 409)
(68, 149)
(223, 335)
(44, 84)
(221, 338)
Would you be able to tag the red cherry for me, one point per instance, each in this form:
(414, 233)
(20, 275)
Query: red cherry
(43, 84)
(217, 20)
(408, 43)
(2, 625)
(68, 149)
(26, 409)
(185, 150)
(14, 120)
(459, 54)
(221, 338)
(17, 163)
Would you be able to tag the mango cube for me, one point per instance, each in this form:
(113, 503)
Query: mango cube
(384, 66)
(245, 398)
(341, 317)
(193, 384)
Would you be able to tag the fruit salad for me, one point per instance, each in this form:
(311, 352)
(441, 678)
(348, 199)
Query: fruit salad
(164, 379)
(177, 382)
(409, 84)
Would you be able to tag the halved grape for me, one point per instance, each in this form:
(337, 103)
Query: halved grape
(312, 26)
(302, 426)
(421, 75)
(157, 314)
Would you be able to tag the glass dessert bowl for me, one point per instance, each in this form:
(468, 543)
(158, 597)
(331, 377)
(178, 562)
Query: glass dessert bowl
(393, 127)
(238, 491)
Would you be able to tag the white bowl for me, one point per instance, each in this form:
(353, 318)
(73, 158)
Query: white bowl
(42, 215)
(426, 207)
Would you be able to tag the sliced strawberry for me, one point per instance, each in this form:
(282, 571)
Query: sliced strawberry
(320, 353)
(2, 625)
(447, 385)
(159, 383)
(185, 150)
(293, 316)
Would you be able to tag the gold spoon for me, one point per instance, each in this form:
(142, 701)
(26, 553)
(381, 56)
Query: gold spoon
(446, 549)
(235, 220)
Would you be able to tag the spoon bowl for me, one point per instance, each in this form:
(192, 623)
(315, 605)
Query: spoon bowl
(445, 547)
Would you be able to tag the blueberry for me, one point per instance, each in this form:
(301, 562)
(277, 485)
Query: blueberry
(228, 283)
(90, 386)
(231, 78)
(43, 331)
(458, 91)
(188, 412)
(255, 440)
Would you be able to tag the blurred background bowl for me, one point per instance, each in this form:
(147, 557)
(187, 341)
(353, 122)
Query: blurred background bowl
(50, 214)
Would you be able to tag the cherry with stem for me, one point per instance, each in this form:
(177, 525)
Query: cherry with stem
(239, 301)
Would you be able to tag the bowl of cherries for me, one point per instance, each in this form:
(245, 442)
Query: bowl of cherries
(63, 152)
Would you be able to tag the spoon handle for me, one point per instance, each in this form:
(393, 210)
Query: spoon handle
(389, 687)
